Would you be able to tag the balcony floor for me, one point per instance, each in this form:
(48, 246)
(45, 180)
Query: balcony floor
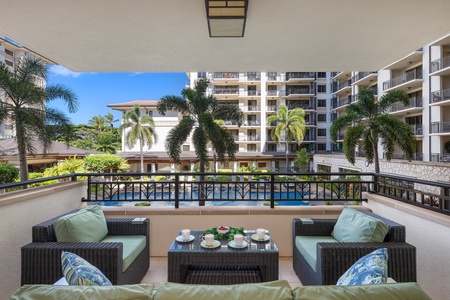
(158, 271)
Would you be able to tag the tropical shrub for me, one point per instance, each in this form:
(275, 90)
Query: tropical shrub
(8, 173)
(105, 163)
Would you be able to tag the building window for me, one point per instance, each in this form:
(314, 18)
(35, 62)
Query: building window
(322, 88)
(9, 63)
(251, 147)
(150, 113)
(322, 146)
(321, 117)
(322, 103)
(322, 75)
(321, 132)
(186, 148)
(201, 74)
(9, 52)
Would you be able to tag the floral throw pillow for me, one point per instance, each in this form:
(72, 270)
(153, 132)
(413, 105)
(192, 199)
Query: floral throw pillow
(369, 269)
(78, 271)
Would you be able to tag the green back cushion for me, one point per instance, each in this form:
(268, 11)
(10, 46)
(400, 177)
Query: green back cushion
(274, 290)
(395, 291)
(132, 247)
(84, 292)
(86, 225)
(354, 226)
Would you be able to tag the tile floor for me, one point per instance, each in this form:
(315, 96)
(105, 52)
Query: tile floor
(158, 271)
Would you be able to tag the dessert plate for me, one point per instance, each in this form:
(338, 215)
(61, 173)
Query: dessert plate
(256, 239)
(182, 240)
(214, 245)
(232, 244)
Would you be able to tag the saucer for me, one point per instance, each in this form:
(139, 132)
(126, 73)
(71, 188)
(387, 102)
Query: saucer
(182, 240)
(214, 245)
(256, 239)
(232, 244)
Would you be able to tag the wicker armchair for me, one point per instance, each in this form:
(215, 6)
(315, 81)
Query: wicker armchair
(41, 259)
(333, 259)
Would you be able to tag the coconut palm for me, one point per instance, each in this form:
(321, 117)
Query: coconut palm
(97, 123)
(109, 120)
(291, 123)
(200, 115)
(369, 122)
(106, 142)
(142, 129)
(26, 106)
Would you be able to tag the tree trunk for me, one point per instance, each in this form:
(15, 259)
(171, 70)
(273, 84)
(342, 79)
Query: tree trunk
(22, 156)
(141, 149)
(287, 156)
(202, 188)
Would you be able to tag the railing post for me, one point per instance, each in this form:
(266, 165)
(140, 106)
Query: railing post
(272, 190)
(177, 189)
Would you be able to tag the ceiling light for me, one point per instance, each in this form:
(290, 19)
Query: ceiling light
(226, 18)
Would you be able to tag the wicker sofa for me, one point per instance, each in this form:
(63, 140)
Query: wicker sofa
(41, 259)
(275, 290)
(334, 258)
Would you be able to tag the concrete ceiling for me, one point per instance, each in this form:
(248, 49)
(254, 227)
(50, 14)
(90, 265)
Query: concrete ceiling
(172, 35)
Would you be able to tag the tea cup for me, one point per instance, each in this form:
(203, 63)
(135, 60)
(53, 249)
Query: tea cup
(260, 233)
(186, 233)
(209, 239)
(238, 239)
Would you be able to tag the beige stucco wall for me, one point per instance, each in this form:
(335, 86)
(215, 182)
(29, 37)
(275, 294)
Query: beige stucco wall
(19, 211)
(429, 232)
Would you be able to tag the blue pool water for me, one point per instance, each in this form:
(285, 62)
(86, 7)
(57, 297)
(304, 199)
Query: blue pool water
(220, 198)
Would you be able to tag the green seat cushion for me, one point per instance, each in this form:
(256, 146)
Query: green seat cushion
(84, 292)
(388, 291)
(273, 290)
(354, 226)
(132, 246)
(307, 245)
(85, 225)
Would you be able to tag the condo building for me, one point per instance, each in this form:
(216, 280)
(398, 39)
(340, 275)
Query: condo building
(424, 74)
(10, 54)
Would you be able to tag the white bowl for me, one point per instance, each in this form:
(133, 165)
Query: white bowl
(223, 230)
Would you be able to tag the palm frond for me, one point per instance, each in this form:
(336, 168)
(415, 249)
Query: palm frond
(341, 123)
(351, 140)
(391, 97)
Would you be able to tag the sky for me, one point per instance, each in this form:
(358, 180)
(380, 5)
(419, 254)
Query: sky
(96, 90)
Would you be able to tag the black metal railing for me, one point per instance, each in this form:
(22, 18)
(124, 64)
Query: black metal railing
(300, 75)
(185, 188)
(440, 95)
(226, 75)
(439, 64)
(413, 102)
(361, 75)
(426, 194)
(407, 76)
(440, 127)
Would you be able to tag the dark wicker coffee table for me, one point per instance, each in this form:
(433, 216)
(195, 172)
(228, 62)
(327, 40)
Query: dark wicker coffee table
(191, 263)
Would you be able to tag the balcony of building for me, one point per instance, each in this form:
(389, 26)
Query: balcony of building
(440, 66)
(341, 87)
(440, 97)
(303, 104)
(226, 92)
(422, 206)
(412, 59)
(345, 75)
(274, 77)
(273, 93)
(271, 108)
(365, 78)
(298, 91)
(253, 122)
(344, 101)
(250, 78)
(250, 93)
(400, 155)
(414, 106)
(222, 77)
(442, 127)
(411, 79)
(247, 138)
(250, 108)
(298, 77)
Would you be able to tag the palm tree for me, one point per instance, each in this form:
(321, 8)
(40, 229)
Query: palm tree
(370, 123)
(142, 128)
(97, 123)
(26, 105)
(291, 123)
(200, 115)
(109, 120)
(105, 142)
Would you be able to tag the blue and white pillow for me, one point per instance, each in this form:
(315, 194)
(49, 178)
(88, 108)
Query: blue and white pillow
(78, 271)
(369, 269)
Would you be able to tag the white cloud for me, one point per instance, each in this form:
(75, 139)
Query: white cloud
(58, 70)
(136, 74)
